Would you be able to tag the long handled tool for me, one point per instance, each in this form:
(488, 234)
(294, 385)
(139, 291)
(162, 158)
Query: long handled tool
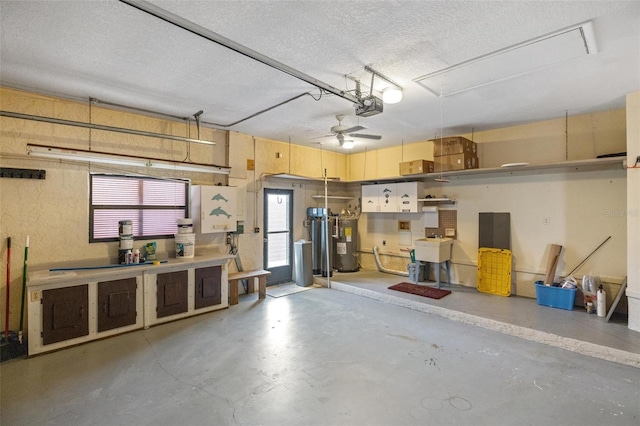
(24, 288)
(590, 254)
(6, 313)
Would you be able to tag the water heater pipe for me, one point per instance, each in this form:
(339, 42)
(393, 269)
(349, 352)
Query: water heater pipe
(327, 234)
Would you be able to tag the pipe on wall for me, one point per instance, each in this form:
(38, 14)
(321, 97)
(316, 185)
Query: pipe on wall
(386, 270)
(100, 127)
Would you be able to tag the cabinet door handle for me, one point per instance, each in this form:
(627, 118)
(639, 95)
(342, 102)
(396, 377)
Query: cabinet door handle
(81, 311)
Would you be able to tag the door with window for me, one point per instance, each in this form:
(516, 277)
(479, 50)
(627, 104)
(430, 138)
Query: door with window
(278, 235)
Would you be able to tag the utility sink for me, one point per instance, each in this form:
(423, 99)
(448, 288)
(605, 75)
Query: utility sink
(436, 250)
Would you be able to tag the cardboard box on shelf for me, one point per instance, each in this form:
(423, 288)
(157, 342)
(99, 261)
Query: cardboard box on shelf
(416, 167)
(454, 145)
(453, 162)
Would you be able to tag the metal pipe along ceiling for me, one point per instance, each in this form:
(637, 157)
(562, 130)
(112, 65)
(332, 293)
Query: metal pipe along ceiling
(208, 123)
(193, 28)
(100, 127)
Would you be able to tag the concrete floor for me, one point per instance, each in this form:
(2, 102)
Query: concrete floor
(330, 357)
(519, 316)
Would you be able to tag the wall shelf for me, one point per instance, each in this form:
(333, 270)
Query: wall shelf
(331, 197)
(300, 177)
(438, 200)
(596, 164)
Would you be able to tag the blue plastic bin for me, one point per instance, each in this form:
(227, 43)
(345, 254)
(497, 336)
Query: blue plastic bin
(556, 297)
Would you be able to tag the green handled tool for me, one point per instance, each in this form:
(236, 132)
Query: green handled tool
(24, 288)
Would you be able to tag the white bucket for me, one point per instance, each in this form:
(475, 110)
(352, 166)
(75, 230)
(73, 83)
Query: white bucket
(185, 245)
(126, 243)
(125, 228)
(185, 226)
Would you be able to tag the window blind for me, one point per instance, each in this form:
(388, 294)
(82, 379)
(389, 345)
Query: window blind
(152, 206)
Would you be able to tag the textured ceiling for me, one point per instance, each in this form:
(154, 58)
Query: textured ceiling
(114, 52)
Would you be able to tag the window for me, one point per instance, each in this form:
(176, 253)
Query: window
(152, 206)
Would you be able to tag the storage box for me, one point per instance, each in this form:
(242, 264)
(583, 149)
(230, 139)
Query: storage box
(447, 163)
(416, 167)
(494, 271)
(556, 297)
(454, 145)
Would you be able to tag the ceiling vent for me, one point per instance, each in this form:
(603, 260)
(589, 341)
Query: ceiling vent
(513, 61)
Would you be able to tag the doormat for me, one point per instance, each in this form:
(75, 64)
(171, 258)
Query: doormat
(286, 289)
(420, 290)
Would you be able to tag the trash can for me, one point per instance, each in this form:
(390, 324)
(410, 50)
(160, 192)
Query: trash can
(303, 263)
(416, 272)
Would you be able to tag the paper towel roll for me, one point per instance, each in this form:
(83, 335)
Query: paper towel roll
(430, 216)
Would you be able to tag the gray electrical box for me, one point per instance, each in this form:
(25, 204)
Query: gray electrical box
(495, 230)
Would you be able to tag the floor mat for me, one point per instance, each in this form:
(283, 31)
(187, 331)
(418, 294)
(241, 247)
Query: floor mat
(420, 290)
(286, 289)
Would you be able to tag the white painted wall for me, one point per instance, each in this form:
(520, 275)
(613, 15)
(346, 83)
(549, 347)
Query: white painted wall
(633, 210)
(583, 208)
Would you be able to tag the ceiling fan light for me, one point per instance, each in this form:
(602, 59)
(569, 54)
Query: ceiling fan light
(392, 95)
(348, 144)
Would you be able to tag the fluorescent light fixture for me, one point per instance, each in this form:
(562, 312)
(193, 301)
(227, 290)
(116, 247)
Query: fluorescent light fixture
(513, 61)
(348, 144)
(120, 160)
(392, 95)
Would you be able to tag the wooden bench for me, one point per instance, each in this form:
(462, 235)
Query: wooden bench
(235, 277)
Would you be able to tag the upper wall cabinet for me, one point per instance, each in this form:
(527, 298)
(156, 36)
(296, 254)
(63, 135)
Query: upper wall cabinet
(213, 208)
(408, 194)
(391, 197)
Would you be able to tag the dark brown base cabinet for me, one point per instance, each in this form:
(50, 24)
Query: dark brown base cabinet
(172, 294)
(65, 313)
(70, 308)
(208, 287)
(116, 304)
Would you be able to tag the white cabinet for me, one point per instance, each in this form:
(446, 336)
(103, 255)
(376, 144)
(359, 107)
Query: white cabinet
(388, 197)
(370, 202)
(407, 196)
(391, 197)
(74, 306)
(214, 208)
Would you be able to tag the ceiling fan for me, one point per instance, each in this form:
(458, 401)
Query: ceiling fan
(340, 131)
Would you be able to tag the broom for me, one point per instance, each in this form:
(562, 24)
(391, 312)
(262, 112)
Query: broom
(24, 288)
(6, 313)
